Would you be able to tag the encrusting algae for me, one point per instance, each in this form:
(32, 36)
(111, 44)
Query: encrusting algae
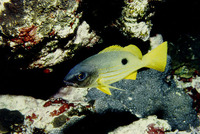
(113, 64)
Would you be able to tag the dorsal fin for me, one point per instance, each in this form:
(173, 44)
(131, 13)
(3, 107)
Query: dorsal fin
(112, 48)
(130, 48)
(134, 50)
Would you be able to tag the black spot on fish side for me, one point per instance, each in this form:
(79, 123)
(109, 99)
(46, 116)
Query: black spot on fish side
(124, 61)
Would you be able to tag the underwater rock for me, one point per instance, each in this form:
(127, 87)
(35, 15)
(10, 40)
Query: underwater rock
(150, 125)
(73, 94)
(184, 51)
(48, 32)
(43, 33)
(156, 41)
(136, 19)
(9, 120)
(149, 94)
(52, 54)
(45, 116)
(191, 86)
(46, 15)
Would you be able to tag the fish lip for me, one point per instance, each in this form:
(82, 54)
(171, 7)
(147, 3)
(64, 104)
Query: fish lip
(67, 83)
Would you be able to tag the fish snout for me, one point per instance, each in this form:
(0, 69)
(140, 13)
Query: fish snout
(67, 83)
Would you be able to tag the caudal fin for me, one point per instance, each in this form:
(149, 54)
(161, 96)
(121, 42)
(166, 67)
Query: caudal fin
(156, 58)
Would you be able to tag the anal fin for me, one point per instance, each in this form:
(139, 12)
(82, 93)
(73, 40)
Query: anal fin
(104, 89)
(132, 76)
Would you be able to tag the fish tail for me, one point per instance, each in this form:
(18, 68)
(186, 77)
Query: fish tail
(157, 58)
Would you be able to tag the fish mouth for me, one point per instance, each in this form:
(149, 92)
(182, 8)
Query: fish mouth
(67, 83)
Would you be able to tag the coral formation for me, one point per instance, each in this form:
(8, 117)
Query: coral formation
(135, 20)
(51, 30)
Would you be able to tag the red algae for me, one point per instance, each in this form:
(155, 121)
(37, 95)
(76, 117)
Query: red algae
(48, 70)
(53, 101)
(195, 96)
(62, 109)
(186, 79)
(155, 130)
(27, 35)
(52, 33)
(32, 117)
(58, 101)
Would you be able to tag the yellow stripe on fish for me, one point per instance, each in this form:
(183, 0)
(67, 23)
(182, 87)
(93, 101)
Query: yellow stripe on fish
(113, 64)
(111, 77)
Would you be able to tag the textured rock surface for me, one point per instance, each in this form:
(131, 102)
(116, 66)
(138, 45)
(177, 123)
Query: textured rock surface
(135, 19)
(49, 29)
(52, 30)
(149, 125)
(43, 116)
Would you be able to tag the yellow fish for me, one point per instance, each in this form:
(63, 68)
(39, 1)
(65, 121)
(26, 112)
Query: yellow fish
(113, 64)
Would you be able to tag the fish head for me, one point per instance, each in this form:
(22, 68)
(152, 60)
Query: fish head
(81, 75)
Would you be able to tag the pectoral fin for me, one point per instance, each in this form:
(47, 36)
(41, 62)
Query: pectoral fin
(131, 76)
(104, 89)
(115, 88)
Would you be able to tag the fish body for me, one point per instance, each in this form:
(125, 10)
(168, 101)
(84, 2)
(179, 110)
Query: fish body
(113, 64)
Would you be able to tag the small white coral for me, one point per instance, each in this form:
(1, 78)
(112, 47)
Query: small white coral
(84, 36)
(196, 84)
(156, 41)
(2, 2)
(131, 13)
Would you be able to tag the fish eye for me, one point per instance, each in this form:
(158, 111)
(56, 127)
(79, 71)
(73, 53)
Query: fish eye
(81, 76)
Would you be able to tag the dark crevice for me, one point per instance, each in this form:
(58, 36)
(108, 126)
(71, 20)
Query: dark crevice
(100, 13)
(100, 123)
(173, 18)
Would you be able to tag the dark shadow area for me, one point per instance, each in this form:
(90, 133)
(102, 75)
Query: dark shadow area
(15, 79)
(9, 120)
(99, 13)
(175, 17)
(100, 124)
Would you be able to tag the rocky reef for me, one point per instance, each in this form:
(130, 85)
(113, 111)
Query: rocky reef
(40, 41)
